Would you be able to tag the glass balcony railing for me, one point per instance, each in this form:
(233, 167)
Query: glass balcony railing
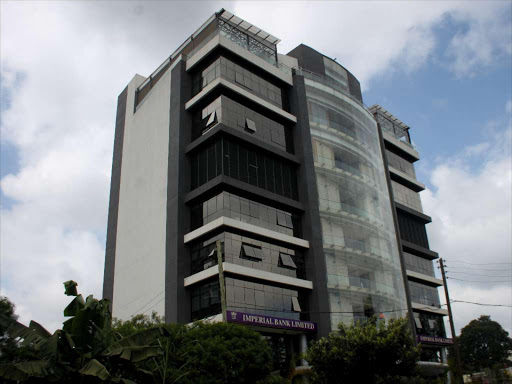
(394, 130)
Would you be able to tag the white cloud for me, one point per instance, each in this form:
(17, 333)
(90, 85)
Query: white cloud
(373, 38)
(485, 40)
(471, 226)
(74, 58)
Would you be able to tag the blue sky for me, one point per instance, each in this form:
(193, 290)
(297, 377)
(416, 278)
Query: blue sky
(443, 68)
(445, 113)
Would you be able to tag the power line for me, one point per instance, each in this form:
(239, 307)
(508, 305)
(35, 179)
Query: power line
(475, 281)
(474, 274)
(465, 262)
(140, 309)
(154, 305)
(481, 269)
(485, 305)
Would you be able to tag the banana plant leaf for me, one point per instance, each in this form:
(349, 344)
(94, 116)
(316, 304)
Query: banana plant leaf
(73, 307)
(140, 339)
(34, 368)
(85, 324)
(10, 372)
(124, 381)
(59, 348)
(34, 334)
(136, 354)
(95, 368)
(70, 288)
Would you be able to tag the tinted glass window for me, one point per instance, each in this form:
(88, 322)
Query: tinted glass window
(239, 162)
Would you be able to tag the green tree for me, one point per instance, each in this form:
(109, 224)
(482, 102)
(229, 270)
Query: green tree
(205, 353)
(8, 346)
(483, 343)
(86, 350)
(369, 352)
(172, 365)
(227, 353)
(10, 349)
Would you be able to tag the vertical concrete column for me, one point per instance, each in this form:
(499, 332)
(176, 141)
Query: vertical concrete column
(444, 357)
(444, 360)
(303, 348)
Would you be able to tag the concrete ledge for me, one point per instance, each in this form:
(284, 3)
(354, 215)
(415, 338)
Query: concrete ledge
(242, 92)
(405, 179)
(203, 275)
(240, 52)
(419, 251)
(433, 281)
(234, 269)
(267, 276)
(420, 215)
(246, 137)
(411, 152)
(237, 187)
(429, 308)
(246, 227)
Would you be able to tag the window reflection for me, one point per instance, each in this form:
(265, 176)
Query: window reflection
(424, 294)
(247, 252)
(418, 264)
(239, 75)
(406, 196)
(229, 205)
(400, 163)
(237, 116)
(429, 324)
(223, 156)
(363, 264)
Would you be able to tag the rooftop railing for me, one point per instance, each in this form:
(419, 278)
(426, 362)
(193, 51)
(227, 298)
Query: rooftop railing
(262, 49)
(394, 130)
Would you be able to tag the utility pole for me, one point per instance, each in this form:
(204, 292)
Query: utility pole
(221, 283)
(452, 327)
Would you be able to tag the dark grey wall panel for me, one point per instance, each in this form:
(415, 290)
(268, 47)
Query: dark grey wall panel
(397, 235)
(312, 60)
(309, 59)
(113, 207)
(354, 87)
(177, 301)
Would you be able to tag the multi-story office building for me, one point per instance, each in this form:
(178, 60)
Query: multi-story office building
(277, 157)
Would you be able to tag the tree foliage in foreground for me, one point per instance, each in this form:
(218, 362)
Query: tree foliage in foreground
(89, 349)
(86, 350)
(10, 349)
(483, 344)
(369, 352)
(204, 353)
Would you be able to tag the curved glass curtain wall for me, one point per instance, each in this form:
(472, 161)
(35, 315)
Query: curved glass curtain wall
(364, 276)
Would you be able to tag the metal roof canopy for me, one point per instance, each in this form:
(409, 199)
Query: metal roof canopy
(394, 119)
(242, 24)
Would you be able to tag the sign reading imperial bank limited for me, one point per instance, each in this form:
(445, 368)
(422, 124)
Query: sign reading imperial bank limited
(272, 322)
(434, 340)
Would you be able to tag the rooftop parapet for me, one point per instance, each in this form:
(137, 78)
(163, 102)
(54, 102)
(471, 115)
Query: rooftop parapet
(391, 124)
(232, 27)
